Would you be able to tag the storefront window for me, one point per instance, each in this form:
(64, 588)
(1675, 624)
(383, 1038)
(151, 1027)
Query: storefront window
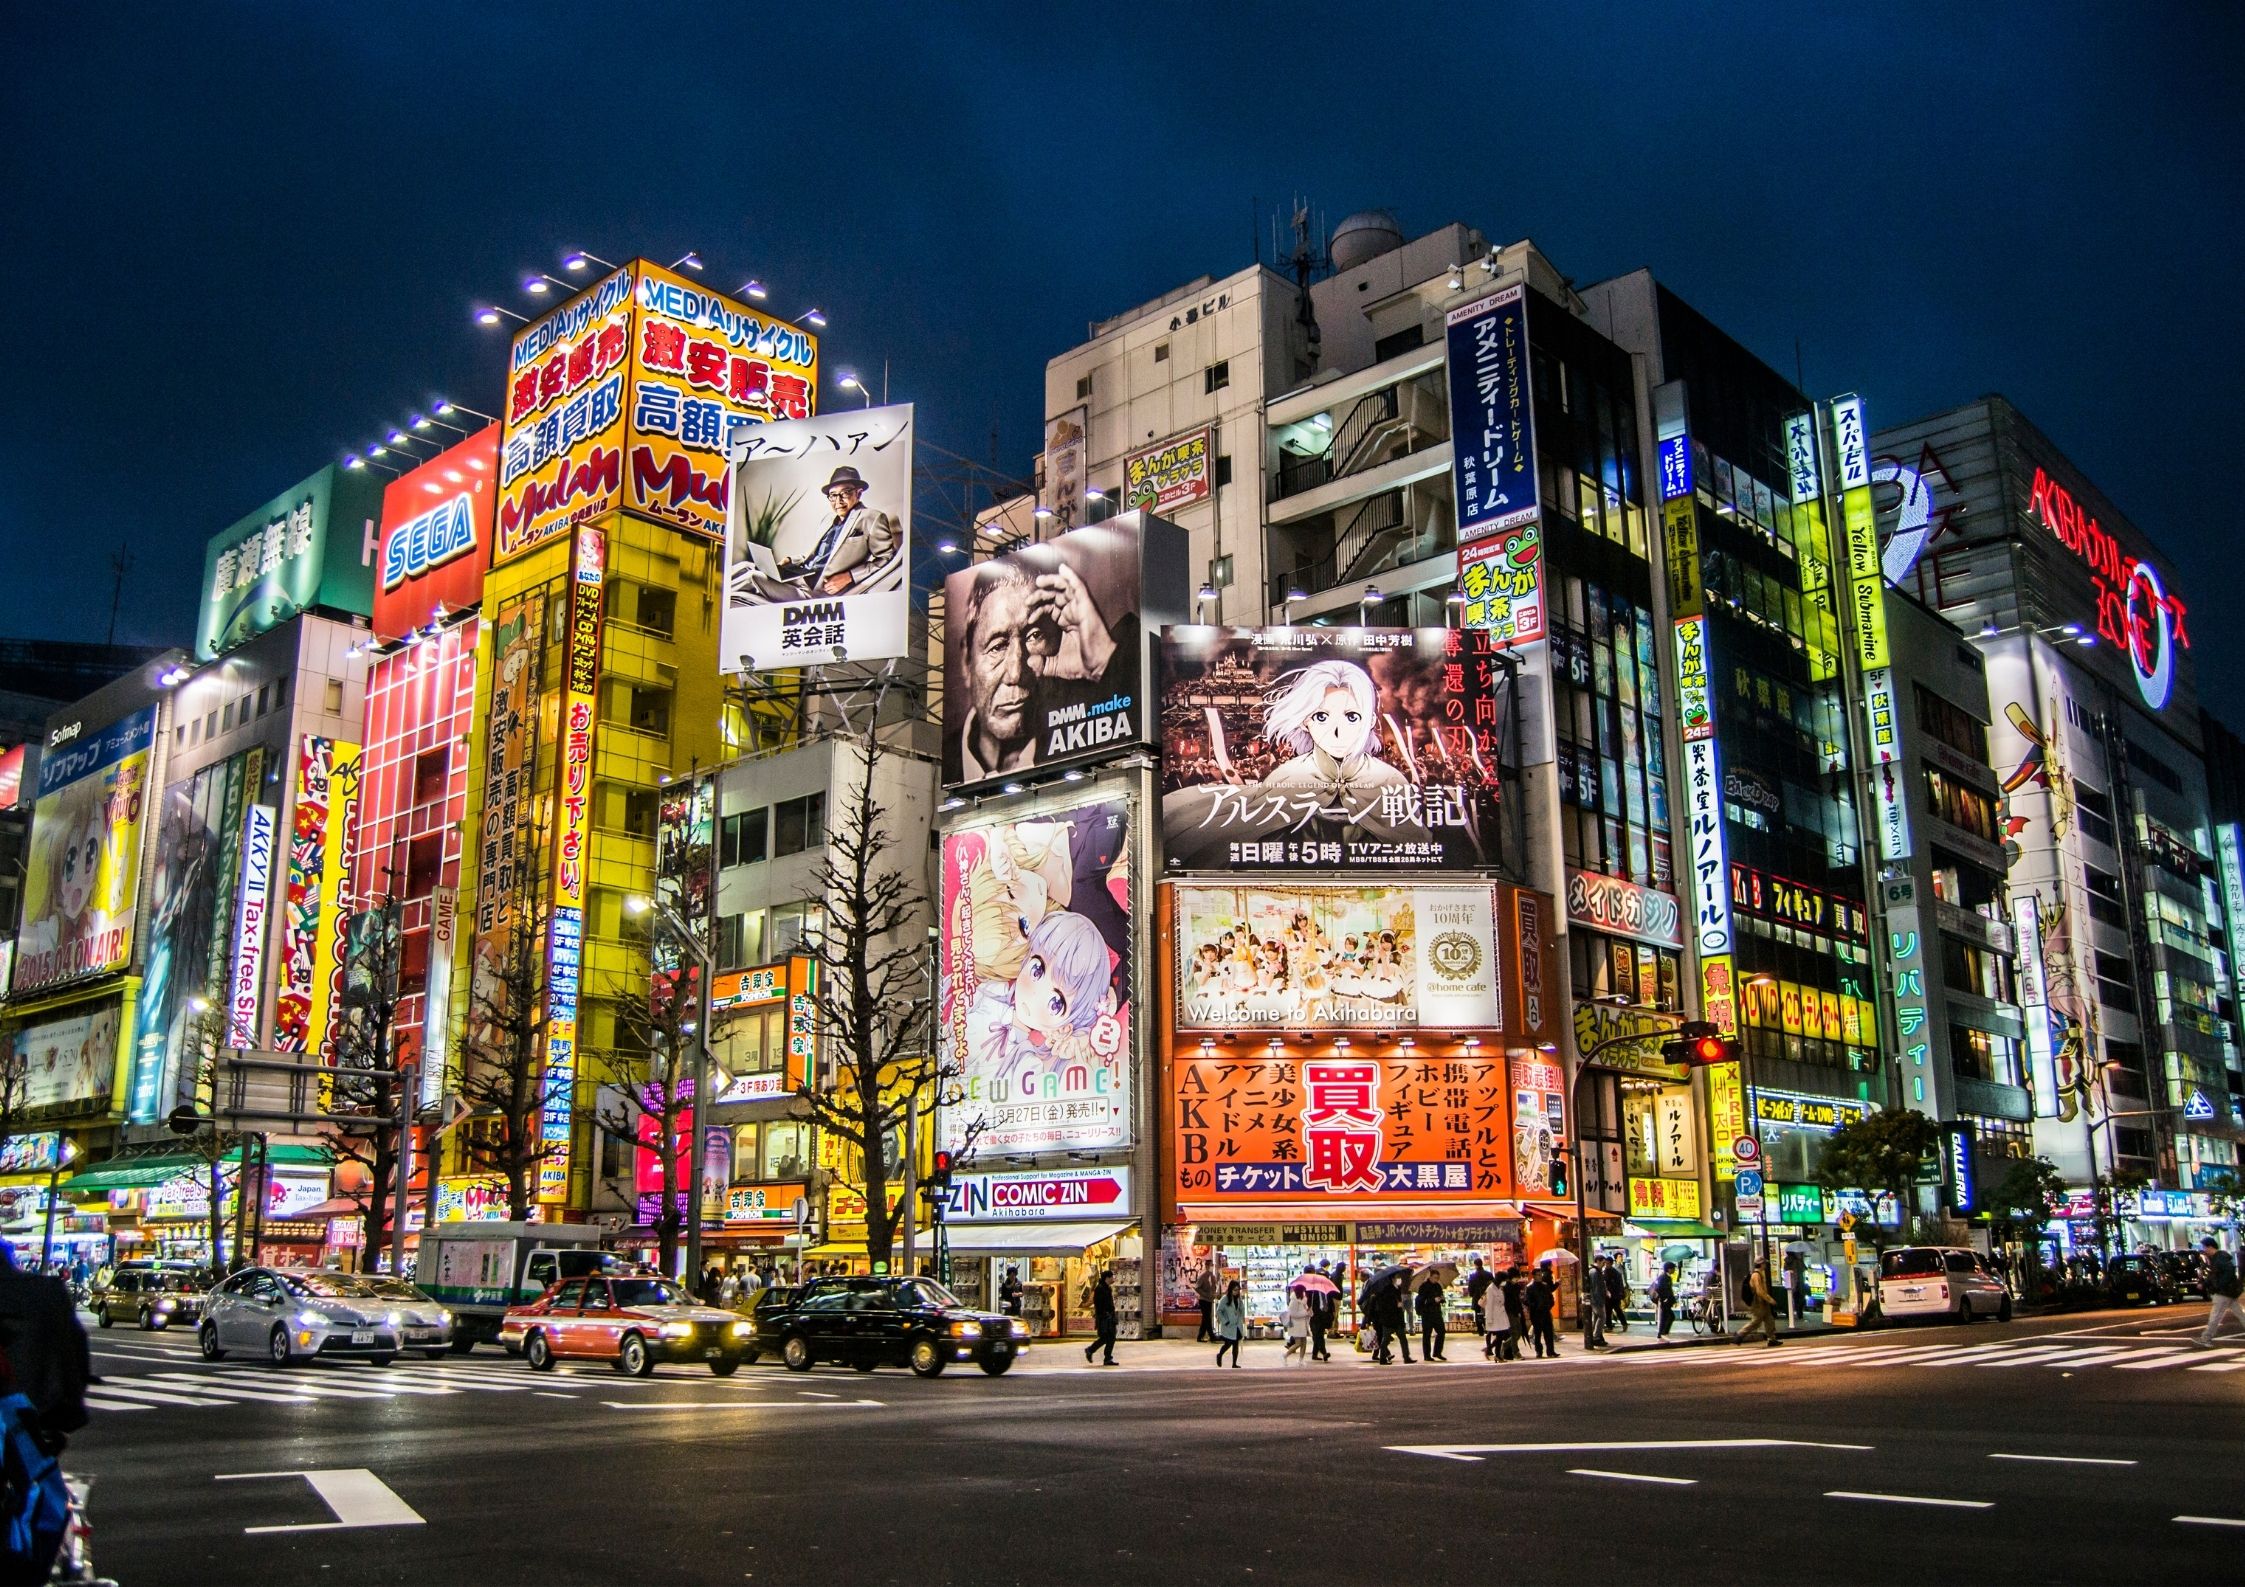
(786, 1150)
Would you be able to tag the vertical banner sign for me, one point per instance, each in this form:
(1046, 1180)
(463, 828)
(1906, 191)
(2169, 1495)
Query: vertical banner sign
(1534, 1009)
(334, 905)
(1905, 973)
(1726, 1116)
(1492, 414)
(685, 884)
(81, 883)
(573, 802)
(1710, 879)
(1679, 524)
(1812, 548)
(436, 1003)
(2232, 868)
(505, 854)
(246, 983)
(1866, 606)
(306, 887)
(2034, 996)
(1063, 492)
(1893, 812)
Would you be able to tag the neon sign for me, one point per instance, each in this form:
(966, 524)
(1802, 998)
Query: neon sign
(2134, 609)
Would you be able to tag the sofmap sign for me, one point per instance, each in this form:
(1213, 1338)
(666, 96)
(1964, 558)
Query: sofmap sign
(1039, 1193)
(1492, 414)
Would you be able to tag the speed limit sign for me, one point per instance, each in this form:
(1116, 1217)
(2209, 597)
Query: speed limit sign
(1746, 1149)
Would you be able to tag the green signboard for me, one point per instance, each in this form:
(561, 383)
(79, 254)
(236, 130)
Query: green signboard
(312, 545)
(1800, 1204)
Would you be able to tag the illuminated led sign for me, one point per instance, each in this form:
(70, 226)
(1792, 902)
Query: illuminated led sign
(2134, 609)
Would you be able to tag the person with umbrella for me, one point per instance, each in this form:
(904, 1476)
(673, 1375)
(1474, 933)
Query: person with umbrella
(1324, 1297)
(1382, 1301)
(1298, 1310)
(1433, 1331)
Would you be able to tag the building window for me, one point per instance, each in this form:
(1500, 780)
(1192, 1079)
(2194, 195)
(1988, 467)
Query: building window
(261, 697)
(786, 1151)
(280, 693)
(1083, 387)
(1161, 352)
(1412, 335)
(740, 838)
(210, 725)
(424, 864)
(642, 811)
(648, 709)
(226, 717)
(791, 923)
(1952, 725)
(798, 824)
(1217, 376)
(430, 770)
(1223, 468)
(1962, 807)
(740, 940)
(335, 696)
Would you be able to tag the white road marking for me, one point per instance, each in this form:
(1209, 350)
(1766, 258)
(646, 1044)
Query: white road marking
(134, 1391)
(1912, 1498)
(95, 1403)
(813, 1394)
(2165, 1358)
(1632, 1476)
(734, 1405)
(306, 1388)
(357, 1496)
(2237, 1365)
(2066, 1460)
(1475, 1452)
(2206, 1520)
(552, 1394)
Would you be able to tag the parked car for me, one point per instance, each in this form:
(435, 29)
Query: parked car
(149, 1295)
(2186, 1272)
(2141, 1279)
(870, 1322)
(629, 1322)
(1941, 1281)
(289, 1315)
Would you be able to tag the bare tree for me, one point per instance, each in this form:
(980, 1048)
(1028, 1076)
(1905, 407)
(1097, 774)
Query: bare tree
(651, 1069)
(367, 1086)
(205, 1034)
(873, 999)
(502, 1073)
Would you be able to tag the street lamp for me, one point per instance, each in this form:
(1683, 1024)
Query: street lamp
(850, 382)
(704, 962)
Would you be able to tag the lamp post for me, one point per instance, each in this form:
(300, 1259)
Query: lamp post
(705, 968)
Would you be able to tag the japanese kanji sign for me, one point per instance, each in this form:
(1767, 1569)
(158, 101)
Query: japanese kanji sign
(312, 545)
(1492, 414)
(1318, 748)
(1173, 474)
(1362, 1133)
(1501, 579)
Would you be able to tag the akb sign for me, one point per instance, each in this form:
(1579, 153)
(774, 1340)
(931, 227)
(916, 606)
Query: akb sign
(444, 532)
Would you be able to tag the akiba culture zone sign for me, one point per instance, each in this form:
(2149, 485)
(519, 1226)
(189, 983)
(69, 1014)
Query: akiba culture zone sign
(2135, 611)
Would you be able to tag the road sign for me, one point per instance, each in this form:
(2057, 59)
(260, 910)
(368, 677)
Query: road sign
(1749, 1184)
(1749, 1208)
(1747, 1149)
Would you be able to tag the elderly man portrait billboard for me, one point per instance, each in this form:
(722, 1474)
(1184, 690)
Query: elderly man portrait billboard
(1034, 992)
(1317, 747)
(1044, 660)
(818, 540)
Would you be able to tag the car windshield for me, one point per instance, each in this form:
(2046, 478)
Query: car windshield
(649, 1292)
(924, 1292)
(1917, 1263)
(392, 1289)
(176, 1284)
(330, 1286)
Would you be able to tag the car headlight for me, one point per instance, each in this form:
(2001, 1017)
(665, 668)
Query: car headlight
(1019, 1329)
(966, 1330)
(741, 1330)
(165, 1304)
(314, 1319)
(397, 1319)
(678, 1330)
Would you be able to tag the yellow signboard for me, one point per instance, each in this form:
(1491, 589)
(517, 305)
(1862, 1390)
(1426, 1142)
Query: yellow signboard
(1726, 1115)
(1664, 1198)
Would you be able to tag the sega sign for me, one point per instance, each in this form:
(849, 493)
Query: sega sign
(435, 538)
(429, 541)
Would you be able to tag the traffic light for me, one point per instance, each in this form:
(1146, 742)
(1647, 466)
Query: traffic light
(1559, 1171)
(1699, 1044)
(937, 1187)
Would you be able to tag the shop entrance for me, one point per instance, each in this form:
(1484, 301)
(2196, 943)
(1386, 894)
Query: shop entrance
(1057, 1264)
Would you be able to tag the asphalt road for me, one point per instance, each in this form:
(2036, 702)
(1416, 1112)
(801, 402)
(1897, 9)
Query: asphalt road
(2089, 1447)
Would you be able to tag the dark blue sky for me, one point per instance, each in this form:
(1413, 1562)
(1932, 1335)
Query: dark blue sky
(246, 237)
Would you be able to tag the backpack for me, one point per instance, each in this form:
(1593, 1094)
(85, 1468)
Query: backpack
(34, 1500)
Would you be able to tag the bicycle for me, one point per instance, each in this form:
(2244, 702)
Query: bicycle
(1704, 1314)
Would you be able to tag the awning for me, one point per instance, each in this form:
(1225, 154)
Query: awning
(1030, 1238)
(1675, 1228)
(156, 1168)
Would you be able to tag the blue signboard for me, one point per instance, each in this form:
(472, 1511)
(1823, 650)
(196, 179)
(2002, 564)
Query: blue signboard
(1492, 414)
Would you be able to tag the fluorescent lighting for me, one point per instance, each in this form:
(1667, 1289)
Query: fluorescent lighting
(814, 318)
(535, 286)
(487, 316)
(754, 289)
(575, 261)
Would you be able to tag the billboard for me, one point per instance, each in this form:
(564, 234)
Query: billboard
(11, 776)
(1034, 981)
(245, 991)
(561, 459)
(1045, 648)
(323, 817)
(1176, 473)
(1062, 487)
(1328, 747)
(1282, 957)
(685, 883)
(308, 546)
(818, 541)
(1355, 1133)
(69, 1057)
(1492, 414)
(82, 877)
(1501, 580)
(580, 677)
(436, 535)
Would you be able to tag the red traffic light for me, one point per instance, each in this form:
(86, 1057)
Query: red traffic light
(942, 1163)
(1710, 1050)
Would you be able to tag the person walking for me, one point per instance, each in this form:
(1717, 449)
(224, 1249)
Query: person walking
(1616, 1296)
(1204, 1287)
(2221, 1291)
(1543, 1298)
(1763, 1307)
(1515, 1288)
(1496, 1322)
(1434, 1330)
(1230, 1322)
(1297, 1325)
(1664, 1299)
(1591, 1295)
(1325, 1307)
(1103, 1318)
(1399, 1313)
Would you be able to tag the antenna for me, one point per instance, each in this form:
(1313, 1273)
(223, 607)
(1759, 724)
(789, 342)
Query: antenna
(119, 564)
(1309, 259)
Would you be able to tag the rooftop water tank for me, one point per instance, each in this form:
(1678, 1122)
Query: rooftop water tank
(1364, 235)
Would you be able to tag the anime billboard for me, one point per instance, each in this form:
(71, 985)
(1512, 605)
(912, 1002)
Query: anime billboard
(82, 879)
(1034, 993)
(1328, 747)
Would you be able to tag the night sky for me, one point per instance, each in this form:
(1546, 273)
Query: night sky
(248, 238)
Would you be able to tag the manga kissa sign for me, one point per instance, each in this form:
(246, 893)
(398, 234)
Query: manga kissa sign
(1327, 747)
(1034, 992)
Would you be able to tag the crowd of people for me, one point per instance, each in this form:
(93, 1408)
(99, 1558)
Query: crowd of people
(1300, 970)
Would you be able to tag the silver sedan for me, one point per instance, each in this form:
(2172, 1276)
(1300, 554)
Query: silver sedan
(288, 1316)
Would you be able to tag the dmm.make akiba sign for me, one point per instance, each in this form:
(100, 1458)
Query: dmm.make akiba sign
(1039, 1193)
(2134, 609)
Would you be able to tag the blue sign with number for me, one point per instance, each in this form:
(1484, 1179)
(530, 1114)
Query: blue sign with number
(1749, 1181)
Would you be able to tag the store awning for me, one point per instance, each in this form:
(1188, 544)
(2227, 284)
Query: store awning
(139, 1173)
(1032, 1238)
(1674, 1229)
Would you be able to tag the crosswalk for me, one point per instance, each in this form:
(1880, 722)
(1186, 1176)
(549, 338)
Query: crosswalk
(2067, 1352)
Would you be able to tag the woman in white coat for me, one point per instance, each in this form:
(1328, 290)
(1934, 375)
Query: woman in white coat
(1496, 1322)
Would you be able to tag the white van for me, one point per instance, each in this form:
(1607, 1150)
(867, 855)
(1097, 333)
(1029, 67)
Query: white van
(1941, 1281)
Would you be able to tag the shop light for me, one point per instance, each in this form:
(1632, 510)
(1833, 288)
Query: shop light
(1472, 1043)
(1011, 788)
(489, 314)
(1072, 775)
(755, 289)
(1207, 1046)
(577, 259)
(1340, 1044)
(689, 260)
(1407, 1043)
(953, 803)
(1040, 512)
(354, 461)
(814, 318)
(1094, 493)
(947, 548)
(377, 451)
(397, 438)
(1278, 1048)
(420, 421)
(535, 286)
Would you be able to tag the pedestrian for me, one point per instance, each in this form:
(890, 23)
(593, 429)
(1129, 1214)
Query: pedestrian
(1516, 1307)
(1543, 1298)
(1230, 1322)
(1103, 1317)
(1477, 1284)
(1204, 1287)
(1434, 1332)
(1496, 1323)
(2221, 1291)
(1398, 1294)
(1616, 1295)
(1796, 1284)
(1325, 1307)
(1593, 1299)
(1297, 1324)
(1664, 1299)
(1009, 1293)
(1763, 1306)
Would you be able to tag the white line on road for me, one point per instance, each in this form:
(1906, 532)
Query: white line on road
(2206, 1520)
(93, 1403)
(133, 1391)
(2066, 1460)
(357, 1496)
(1632, 1476)
(734, 1405)
(1912, 1498)
(2166, 1358)
(1479, 1451)
(813, 1394)
(552, 1394)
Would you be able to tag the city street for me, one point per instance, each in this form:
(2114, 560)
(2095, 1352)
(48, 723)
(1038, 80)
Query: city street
(2092, 1446)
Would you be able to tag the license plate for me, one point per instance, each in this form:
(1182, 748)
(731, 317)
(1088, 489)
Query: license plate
(713, 1352)
(1004, 1347)
(362, 1336)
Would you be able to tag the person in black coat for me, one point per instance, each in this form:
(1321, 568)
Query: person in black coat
(1433, 1332)
(1105, 1318)
(43, 1346)
(1542, 1299)
(1616, 1296)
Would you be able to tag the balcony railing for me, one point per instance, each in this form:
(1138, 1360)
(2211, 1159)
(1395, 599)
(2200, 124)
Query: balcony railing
(1410, 410)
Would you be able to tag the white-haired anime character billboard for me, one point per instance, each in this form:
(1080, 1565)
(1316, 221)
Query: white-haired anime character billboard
(1035, 981)
(1329, 747)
